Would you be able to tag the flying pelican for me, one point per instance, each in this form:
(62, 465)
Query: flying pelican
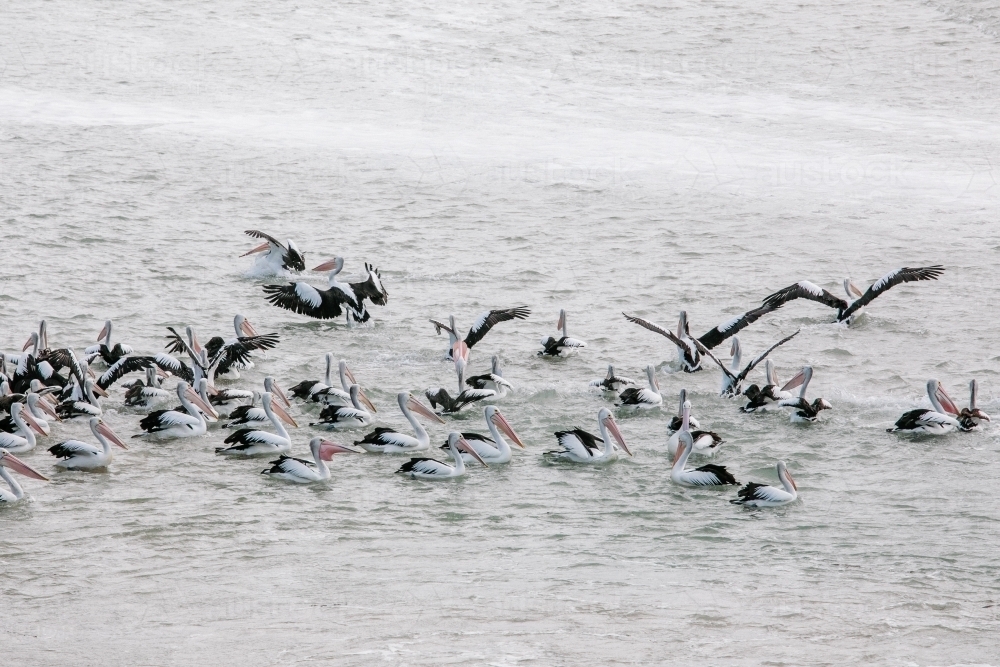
(563, 346)
(706, 475)
(8, 460)
(389, 441)
(252, 442)
(421, 468)
(579, 446)
(761, 495)
(342, 417)
(300, 471)
(78, 455)
(494, 449)
(846, 312)
(177, 424)
(338, 299)
(942, 419)
(482, 326)
(643, 399)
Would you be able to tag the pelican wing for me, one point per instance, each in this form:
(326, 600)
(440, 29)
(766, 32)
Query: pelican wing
(173, 365)
(439, 327)
(708, 353)
(754, 491)
(71, 448)
(890, 280)
(805, 290)
(490, 319)
(760, 357)
(657, 329)
(423, 466)
(291, 466)
(578, 442)
(725, 330)
(304, 299)
(161, 420)
(238, 351)
(709, 475)
(275, 243)
(123, 367)
(383, 436)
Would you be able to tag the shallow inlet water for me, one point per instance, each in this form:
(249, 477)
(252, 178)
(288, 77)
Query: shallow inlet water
(590, 156)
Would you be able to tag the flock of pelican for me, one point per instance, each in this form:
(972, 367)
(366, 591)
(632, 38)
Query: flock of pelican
(43, 385)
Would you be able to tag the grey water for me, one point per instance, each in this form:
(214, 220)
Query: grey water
(598, 157)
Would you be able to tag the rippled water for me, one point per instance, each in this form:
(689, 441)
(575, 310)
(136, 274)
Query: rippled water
(599, 158)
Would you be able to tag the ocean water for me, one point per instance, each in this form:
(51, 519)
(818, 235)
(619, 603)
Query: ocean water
(596, 157)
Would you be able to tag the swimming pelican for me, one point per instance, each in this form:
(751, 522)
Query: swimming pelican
(643, 399)
(563, 346)
(23, 439)
(77, 455)
(389, 441)
(421, 468)
(342, 417)
(8, 460)
(251, 414)
(761, 495)
(253, 442)
(495, 449)
(439, 396)
(300, 471)
(802, 410)
(104, 350)
(942, 419)
(732, 378)
(147, 394)
(771, 392)
(177, 424)
(494, 380)
(86, 406)
(579, 446)
(706, 443)
(611, 381)
(706, 475)
(971, 417)
(677, 421)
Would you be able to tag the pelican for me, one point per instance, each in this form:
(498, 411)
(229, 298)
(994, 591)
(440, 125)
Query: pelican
(490, 450)
(104, 350)
(388, 441)
(482, 326)
(971, 417)
(300, 471)
(846, 313)
(439, 396)
(279, 258)
(341, 417)
(772, 392)
(177, 424)
(39, 408)
(802, 410)
(579, 446)
(252, 442)
(493, 381)
(324, 392)
(677, 421)
(251, 415)
(942, 419)
(706, 475)
(78, 455)
(643, 399)
(706, 443)
(339, 299)
(23, 439)
(422, 468)
(733, 377)
(8, 460)
(611, 381)
(563, 346)
(760, 495)
(148, 394)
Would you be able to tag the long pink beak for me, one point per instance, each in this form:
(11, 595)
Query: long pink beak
(19, 466)
(464, 445)
(195, 344)
(248, 328)
(946, 402)
(104, 332)
(284, 416)
(261, 248)
(562, 321)
(327, 266)
(327, 449)
(46, 407)
(460, 351)
(796, 380)
(613, 427)
(504, 426)
(99, 391)
(31, 341)
(106, 431)
(32, 424)
(205, 407)
(423, 410)
(280, 393)
(364, 399)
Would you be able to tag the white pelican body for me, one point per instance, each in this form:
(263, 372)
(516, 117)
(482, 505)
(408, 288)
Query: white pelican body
(761, 495)
(77, 455)
(677, 422)
(340, 417)
(942, 419)
(707, 475)
(148, 394)
(16, 493)
(176, 424)
(491, 451)
(433, 469)
(803, 412)
(82, 404)
(389, 441)
(611, 382)
(634, 398)
(277, 258)
(23, 440)
(41, 411)
(579, 446)
(251, 442)
(300, 471)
